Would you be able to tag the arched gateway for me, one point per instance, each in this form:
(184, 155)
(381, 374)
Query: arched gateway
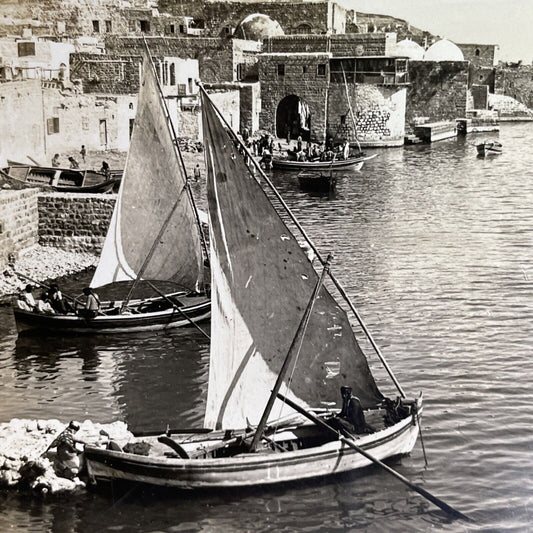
(293, 115)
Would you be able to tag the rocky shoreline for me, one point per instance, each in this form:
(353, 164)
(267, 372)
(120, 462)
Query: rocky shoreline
(41, 263)
(46, 456)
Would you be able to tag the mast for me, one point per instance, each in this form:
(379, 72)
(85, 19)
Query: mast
(337, 284)
(293, 353)
(350, 106)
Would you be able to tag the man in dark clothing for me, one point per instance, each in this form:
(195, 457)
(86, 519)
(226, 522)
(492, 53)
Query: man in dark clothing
(351, 419)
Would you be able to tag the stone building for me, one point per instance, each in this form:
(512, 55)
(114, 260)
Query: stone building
(316, 95)
(222, 18)
(34, 59)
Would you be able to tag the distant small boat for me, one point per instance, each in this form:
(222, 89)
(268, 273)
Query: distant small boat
(352, 162)
(489, 148)
(317, 181)
(60, 179)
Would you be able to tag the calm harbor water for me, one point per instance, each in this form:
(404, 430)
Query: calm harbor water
(435, 247)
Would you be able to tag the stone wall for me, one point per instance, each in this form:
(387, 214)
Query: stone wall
(217, 59)
(379, 113)
(482, 76)
(305, 76)
(348, 45)
(515, 82)
(294, 16)
(18, 221)
(74, 222)
(479, 55)
(438, 90)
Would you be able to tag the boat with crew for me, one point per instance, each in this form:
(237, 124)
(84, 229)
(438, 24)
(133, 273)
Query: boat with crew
(281, 347)
(355, 163)
(155, 235)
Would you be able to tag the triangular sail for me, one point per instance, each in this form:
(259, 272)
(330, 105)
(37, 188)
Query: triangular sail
(152, 184)
(261, 283)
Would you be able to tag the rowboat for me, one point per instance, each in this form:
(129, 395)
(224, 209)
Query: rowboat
(317, 181)
(61, 179)
(155, 235)
(281, 347)
(489, 148)
(351, 162)
(141, 315)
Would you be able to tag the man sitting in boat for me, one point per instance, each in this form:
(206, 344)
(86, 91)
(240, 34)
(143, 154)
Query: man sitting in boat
(26, 301)
(351, 418)
(44, 305)
(92, 305)
(57, 301)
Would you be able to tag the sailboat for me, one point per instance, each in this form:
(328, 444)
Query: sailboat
(281, 348)
(155, 234)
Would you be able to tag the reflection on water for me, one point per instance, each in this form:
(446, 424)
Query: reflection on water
(435, 247)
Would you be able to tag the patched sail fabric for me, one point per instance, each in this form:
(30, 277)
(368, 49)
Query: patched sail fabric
(152, 194)
(262, 281)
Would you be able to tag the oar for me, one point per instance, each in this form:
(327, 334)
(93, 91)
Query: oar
(349, 442)
(178, 309)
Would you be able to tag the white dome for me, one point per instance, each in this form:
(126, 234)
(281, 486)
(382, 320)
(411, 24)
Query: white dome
(444, 51)
(410, 49)
(257, 27)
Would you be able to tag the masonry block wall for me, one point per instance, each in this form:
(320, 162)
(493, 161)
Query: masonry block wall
(348, 45)
(110, 73)
(438, 90)
(482, 76)
(305, 76)
(74, 222)
(515, 82)
(479, 55)
(379, 113)
(18, 221)
(293, 16)
(215, 56)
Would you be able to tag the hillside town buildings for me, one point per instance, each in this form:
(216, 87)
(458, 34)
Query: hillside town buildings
(309, 68)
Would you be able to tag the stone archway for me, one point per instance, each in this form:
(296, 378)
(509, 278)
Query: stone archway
(293, 115)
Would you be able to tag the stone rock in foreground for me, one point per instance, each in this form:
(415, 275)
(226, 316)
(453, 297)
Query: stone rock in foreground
(34, 456)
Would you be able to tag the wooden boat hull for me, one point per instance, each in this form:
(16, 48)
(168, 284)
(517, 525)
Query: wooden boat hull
(354, 162)
(119, 323)
(317, 182)
(61, 179)
(255, 469)
(488, 149)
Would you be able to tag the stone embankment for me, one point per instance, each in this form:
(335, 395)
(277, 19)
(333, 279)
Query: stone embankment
(41, 263)
(46, 457)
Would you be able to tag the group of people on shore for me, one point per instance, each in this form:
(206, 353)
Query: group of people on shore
(52, 302)
(74, 164)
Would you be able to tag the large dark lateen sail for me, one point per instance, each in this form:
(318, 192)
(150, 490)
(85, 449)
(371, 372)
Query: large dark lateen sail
(152, 197)
(261, 284)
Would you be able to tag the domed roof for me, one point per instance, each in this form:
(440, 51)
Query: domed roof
(257, 27)
(444, 51)
(410, 49)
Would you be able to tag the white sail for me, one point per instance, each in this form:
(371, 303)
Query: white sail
(262, 281)
(152, 197)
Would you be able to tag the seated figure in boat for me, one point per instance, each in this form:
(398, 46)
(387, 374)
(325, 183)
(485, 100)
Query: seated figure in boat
(351, 418)
(44, 305)
(26, 301)
(59, 304)
(92, 305)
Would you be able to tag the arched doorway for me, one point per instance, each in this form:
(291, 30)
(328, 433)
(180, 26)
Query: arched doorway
(293, 115)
